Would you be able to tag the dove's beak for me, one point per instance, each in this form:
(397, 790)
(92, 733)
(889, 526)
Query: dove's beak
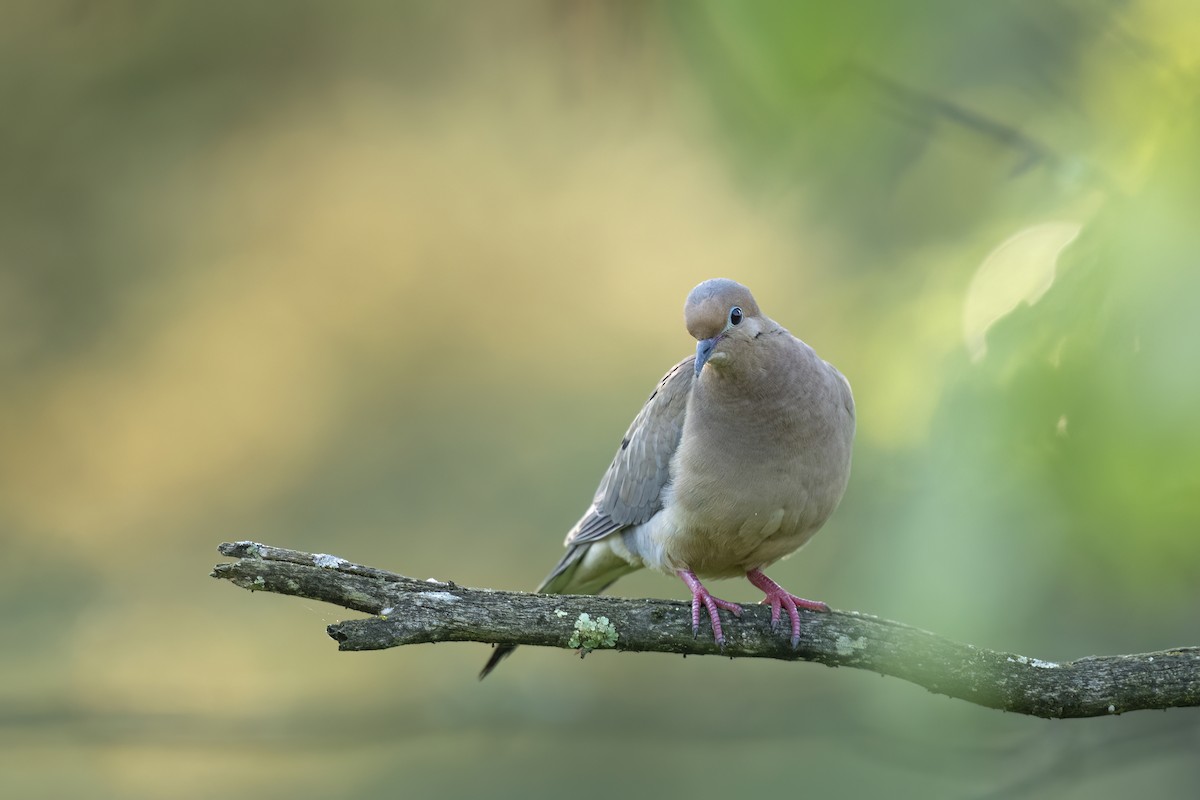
(704, 350)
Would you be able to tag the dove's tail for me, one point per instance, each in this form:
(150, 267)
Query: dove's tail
(501, 652)
(584, 569)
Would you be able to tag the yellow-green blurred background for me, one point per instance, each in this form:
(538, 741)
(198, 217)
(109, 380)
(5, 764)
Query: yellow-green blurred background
(388, 280)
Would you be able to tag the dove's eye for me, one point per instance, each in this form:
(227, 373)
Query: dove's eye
(735, 316)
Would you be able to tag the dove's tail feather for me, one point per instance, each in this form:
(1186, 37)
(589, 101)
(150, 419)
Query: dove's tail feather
(584, 569)
(501, 652)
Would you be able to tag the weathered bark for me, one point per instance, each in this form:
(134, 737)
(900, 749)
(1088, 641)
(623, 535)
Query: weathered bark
(409, 611)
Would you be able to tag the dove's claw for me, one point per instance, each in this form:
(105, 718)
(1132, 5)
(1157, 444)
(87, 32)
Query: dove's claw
(780, 598)
(711, 604)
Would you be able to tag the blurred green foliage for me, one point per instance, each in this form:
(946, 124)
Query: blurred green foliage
(389, 281)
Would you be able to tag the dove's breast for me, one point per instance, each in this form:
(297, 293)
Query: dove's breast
(755, 476)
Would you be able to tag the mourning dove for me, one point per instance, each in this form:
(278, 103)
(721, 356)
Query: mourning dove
(736, 460)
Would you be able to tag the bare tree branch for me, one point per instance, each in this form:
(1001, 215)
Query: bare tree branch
(408, 611)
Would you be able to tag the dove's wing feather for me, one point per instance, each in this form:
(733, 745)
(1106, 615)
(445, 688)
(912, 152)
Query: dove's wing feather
(631, 490)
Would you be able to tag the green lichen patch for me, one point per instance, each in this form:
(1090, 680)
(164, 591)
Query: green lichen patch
(592, 634)
(250, 549)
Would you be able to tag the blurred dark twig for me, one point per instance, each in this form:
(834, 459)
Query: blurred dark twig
(925, 110)
(409, 611)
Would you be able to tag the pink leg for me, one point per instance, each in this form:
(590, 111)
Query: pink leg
(779, 597)
(701, 595)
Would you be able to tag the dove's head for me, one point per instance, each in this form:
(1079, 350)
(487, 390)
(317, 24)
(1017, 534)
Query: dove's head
(722, 315)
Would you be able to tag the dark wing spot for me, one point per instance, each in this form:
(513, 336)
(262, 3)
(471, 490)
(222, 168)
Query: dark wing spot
(624, 443)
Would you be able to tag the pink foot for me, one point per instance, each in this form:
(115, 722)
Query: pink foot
(779, 597)
(701, 595)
